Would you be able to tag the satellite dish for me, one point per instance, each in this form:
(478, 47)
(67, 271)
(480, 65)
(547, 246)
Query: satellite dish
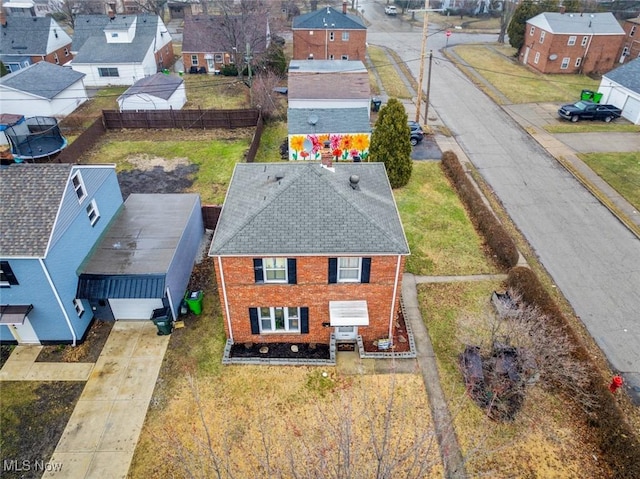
(313, 119)
(307, 145)
(553, 56)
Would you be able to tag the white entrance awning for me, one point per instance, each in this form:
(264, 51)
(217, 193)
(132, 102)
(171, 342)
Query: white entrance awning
(14, 314)
(348, 313)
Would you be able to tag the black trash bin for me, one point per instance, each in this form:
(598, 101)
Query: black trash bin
(375, 104)
(161, 317)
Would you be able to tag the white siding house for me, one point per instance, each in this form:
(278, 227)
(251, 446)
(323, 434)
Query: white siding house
(621, 87)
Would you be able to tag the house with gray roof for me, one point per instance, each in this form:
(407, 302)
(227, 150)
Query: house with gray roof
(120, 49)
(585, 43)
(309, 253)
(329, 34)
(72, 251)
(211, 42)
(28, 40)
(42, 89)
(157, 92)
(621, 87)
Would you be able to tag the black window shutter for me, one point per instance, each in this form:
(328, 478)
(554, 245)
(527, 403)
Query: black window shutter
(291, 271)
(366, 270)
(257, 270)
(7, 273)
(253, 317)
(304, 320)
(333, 270)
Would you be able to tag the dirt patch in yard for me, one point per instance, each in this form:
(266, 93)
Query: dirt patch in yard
(87, 352)
(152, 174)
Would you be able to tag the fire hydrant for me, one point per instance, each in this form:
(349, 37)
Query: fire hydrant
(616, 382)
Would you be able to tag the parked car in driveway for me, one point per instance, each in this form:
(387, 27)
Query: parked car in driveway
(416, 132)
(588, 110)
(391, 10)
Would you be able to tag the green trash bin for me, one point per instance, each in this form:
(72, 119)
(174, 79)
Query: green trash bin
(194, 301)
(586, 95)
(161, 318)
(597, 97)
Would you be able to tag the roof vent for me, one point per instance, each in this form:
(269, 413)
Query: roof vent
(279, 175)
(353, 182)
(313, 119)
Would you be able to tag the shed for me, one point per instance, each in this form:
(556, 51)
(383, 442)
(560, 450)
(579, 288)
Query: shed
(145, 259)
(155, 92)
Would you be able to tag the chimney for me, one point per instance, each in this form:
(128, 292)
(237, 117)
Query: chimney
(344, 7)
(562, 9)
(112, 15)
(326, 160)
(3, 18)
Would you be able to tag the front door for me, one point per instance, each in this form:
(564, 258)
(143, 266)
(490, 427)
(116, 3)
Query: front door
(346, 333)
(24, 333)
(211, 66)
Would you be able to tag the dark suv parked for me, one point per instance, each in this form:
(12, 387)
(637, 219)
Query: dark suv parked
(416, 132)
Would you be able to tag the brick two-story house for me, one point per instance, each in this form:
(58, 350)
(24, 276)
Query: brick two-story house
(631, 47)
(329, 34)
(572, 43)
(303, 251)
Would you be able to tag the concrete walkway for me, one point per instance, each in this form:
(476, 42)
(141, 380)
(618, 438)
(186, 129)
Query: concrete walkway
(103, 429)
(22, 366)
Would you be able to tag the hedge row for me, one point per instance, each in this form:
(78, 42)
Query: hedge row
(618, 442)
(496, 237)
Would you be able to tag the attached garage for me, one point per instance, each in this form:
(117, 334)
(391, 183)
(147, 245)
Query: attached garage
(145, 259)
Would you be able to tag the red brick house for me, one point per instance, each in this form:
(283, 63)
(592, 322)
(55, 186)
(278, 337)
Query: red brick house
(572, 42)
(303, 252)
(631, 48)
(329, 34)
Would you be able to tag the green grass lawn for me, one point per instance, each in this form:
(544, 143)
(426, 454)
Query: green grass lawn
(440, 235)
(215, 91)
(391, 81)
(518, 83)
(274, 134)
(591, 126)
(620, 170)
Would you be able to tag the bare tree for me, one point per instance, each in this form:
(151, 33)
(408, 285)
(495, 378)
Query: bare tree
(264, 95)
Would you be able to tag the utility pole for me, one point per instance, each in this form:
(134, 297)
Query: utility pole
(426, 100)
(248, 59)
(425, 25)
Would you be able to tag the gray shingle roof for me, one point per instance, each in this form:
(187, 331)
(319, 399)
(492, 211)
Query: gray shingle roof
(328, 85)
(301, 208)
(30, 195)
(328, 120)
(627, 75)
(42, 79)
(27, 35)
(206, 33)
(576, 23)
(326, 66)
(158, 85)
(95, 49)
(328, 17)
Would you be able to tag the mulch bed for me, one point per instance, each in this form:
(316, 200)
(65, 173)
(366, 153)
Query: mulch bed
(280, 351)
(400, 338)
(87, 352)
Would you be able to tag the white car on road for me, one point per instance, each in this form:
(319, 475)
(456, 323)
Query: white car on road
(391, 10)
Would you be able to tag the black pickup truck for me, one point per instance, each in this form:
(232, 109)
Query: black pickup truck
(588, 110)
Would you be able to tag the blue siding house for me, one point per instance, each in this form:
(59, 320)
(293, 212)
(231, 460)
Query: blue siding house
(72, 251)
(51, 217)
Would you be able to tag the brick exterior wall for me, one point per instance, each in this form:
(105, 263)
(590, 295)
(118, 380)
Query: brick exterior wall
(319, 44)
(632, 39)
(599, 55)
(164, 56)
(63, 53)
(202, 62)
(312, 291)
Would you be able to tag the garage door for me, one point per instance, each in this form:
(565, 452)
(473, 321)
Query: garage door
(631, 109)
(134, 309)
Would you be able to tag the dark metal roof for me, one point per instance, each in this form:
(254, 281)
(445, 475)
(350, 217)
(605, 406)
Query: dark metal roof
(42, 79)
(97, 286)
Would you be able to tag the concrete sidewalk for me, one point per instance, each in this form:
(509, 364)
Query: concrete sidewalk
(103, 430)
(22, 366)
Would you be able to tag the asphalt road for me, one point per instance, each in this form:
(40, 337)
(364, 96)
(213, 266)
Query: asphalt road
(591, 256)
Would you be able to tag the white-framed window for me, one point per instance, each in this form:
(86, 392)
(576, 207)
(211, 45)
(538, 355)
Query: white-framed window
(625, 51)
(194, 59)
(275, 270)
(565, 63)
(331, 57)
(532, 31)
(332, 36)
(66, 52)
(571, 41)
(585, 39)
(108, 72)
(344, 57)
(55, 57)
(578, 62)
(78, 186)
(279, 319)
(632, 31)
(114, 35)
(92, 212)
(217, 58)
(542, 34)
(345, 36)
(536, 58)
(349, 270)
(77, 304)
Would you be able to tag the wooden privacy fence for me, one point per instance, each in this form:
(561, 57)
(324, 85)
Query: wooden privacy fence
(210, 216)
(184, 119)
